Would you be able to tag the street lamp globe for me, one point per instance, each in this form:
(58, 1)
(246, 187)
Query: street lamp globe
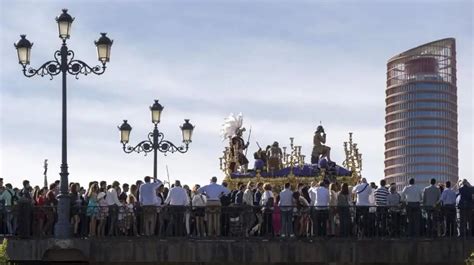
(64, 24)
(187, 129)
(104, 45)
(156, 110)
(23, 48)
(125, 130)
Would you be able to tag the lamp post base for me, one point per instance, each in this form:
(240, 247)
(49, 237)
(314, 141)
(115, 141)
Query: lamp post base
(63, 229)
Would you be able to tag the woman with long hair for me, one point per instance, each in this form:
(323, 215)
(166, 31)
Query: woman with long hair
(39, 213)
(75, 207)
(187, 214)
(93, 208)
(50, 208)
(132, 204)
(199, 202)
(276, 218)
(305, 219)
(332, 209)
(302, 216)
(343, 199)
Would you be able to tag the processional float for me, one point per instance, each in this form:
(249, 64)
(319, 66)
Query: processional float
(277, 165)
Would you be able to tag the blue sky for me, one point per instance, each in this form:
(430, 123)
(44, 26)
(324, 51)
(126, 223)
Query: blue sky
(286, 65)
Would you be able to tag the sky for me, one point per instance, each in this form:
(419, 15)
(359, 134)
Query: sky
(286, 65)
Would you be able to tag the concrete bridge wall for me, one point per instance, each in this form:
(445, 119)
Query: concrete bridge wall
(186, 251)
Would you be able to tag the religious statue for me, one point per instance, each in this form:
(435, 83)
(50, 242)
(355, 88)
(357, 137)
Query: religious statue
(237, 148)
(260, 158)
(320, 150)
(233, 129)
(274, 156)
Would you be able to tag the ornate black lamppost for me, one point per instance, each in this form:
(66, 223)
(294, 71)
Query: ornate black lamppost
(156, 141)
(63, 63)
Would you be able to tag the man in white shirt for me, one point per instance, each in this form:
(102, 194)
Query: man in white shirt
(286, 208)
(431, 196)
(114, 204)
(147, 194)
(412, 195)
(177, 196)
(312, 194)
(320, 208)
(448, 202)
(448, 197)
(362, 191)
(112, 197)
(213, 193)
(321, 196)
(149, 201)
(178, 199)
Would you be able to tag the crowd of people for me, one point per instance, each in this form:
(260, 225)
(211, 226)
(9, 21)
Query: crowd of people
(148, 208)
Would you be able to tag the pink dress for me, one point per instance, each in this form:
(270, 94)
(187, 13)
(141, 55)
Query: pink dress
(276, 220)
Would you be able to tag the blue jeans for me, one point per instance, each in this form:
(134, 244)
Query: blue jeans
(286, 222)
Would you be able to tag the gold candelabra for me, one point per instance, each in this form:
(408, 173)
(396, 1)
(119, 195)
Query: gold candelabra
(225, 160)
(294, 157)
(353, 158)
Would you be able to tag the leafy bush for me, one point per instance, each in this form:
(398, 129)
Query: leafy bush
(3, 252)
(470, 259)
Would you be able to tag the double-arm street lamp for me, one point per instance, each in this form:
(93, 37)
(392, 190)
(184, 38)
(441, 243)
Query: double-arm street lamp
(63, 63)
(156, 141)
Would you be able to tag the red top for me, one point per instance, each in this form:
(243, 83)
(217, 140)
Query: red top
(40, 201)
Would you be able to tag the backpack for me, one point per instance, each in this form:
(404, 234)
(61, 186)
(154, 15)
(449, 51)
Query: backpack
(14, 197)
(269, 203)
(257, 197)
(233, 194)
(162, 200)
(225, 200)
(268, 207)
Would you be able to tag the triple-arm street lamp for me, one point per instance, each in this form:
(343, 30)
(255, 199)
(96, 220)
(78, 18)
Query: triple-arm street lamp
(156, 141)
(63, 63)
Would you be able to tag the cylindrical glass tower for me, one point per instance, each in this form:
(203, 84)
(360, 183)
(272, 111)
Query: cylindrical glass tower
(421, 139)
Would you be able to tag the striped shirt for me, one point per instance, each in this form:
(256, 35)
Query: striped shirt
(381, 195)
